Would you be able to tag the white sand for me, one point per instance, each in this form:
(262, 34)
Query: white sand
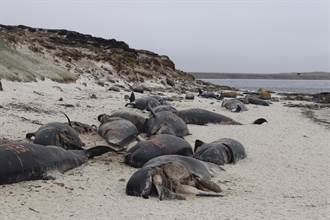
(286, 174)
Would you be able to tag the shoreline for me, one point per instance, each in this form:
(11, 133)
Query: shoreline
(285, 174)
(280, 86)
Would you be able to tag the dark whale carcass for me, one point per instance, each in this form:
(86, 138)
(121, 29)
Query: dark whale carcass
(234, 105)
(223, 151)
(135, 118)
(160, 99)
(162, 108)
(58, 134)
(249, 99)
(143, 102)
(170, 177)
(158, 145)
(200, 116)
(206, 94)
(27, 161)
(117, 131)
(166, 122)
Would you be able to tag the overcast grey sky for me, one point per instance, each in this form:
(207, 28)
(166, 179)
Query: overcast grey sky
(219, 36)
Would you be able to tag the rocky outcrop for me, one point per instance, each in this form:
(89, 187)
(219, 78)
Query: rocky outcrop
(33, 53)
(264, 94)
(323, 97)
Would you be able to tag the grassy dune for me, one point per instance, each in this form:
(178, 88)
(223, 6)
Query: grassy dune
(21, 64)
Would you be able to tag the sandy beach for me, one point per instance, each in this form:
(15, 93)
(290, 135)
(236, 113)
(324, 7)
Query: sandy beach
(285, 176)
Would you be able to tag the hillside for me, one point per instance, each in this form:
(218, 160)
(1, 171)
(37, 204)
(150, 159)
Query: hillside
(28, 54)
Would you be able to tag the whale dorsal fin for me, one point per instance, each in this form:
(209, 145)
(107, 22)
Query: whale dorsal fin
(69, 121)
(132, 97)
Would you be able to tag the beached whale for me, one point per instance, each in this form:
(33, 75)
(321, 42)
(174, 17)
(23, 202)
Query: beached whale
(200, 116)
(58, 134)
(161, 108)
(166, 122)
(249, 99)
(117, 131)
(133, 117)
(234, 105)
(170, 177)
(206, 94)
(143, 102)
(222, 151)
(27, 161)
(158, 145)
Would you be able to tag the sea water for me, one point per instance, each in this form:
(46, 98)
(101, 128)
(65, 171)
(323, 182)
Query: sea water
(297, 86)
(278, 85)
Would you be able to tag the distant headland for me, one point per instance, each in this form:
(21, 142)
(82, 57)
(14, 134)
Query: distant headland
(289, 76)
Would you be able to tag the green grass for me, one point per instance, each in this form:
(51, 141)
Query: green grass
(27, 66)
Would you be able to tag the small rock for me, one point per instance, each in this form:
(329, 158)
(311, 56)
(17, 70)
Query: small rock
(100, 83)
(275, 99)
(138, 88)
(264, 94)
(114, 88)
(93, 96)
(170, 82)
(122, 180)
(1, 89)
(190, 96)
(60, 99)
(111, 80)
(85, 84)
